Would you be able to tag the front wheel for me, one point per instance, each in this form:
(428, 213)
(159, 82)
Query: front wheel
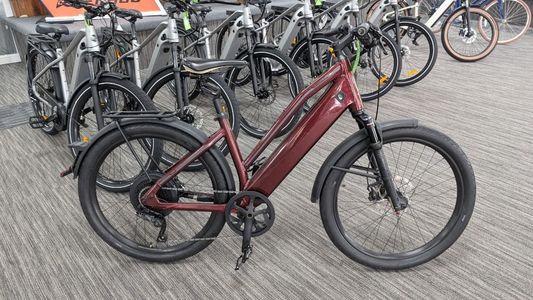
(463, 40)
(435, 182)
(278, 82)
(201, 112)
(115, 95)
(418, 48)
(377, 72)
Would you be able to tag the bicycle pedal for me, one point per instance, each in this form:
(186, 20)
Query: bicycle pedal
(36, 122)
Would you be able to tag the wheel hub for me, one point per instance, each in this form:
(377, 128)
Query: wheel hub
(468, 37)
(266, 96)
(405, 51)
(168, 193)
(187, 118)
(194, 116)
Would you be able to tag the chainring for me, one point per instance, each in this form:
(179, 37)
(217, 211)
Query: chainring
(250, 205)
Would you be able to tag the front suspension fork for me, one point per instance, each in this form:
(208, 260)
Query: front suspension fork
(397, 24)
(97, 104)
(178, 89)
(249, 42)
(377, 158)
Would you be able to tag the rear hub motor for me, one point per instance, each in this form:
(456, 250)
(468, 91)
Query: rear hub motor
(168, 193)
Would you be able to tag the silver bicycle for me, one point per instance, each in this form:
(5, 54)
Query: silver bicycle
(78, 107)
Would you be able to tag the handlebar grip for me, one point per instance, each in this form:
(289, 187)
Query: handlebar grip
(343, 42)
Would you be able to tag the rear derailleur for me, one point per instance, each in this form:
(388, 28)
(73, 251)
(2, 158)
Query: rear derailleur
(249, 214)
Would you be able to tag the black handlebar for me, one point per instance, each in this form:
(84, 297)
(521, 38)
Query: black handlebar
(252, 2)
(102, 9)
(368, 34)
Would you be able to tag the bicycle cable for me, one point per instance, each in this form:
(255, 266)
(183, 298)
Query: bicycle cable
(379, 87)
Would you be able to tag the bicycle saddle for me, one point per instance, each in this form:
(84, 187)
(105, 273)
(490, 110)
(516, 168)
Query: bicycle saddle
(231, 11)
(279, 9)
(259, 2)
(205, 66)
(46, 28)
(201, 8)
(128, 13)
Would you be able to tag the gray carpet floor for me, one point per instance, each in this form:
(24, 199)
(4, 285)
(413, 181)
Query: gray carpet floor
(48, 250)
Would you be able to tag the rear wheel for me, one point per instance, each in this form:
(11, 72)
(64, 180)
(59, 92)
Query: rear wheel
(435, 182)
(513, 18)
(201, 112)
(46, 87)
(121, 219)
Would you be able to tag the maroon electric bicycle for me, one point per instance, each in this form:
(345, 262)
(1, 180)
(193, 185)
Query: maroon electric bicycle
(392, 195)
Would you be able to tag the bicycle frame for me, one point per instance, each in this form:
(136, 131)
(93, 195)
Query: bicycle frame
(85, 41)
(162, 55)
(350, 8)
(441, 10)
(301, 12)
(341, 95)
(207, 34)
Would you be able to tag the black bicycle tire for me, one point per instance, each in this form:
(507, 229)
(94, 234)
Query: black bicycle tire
(30, 74)
(364, 96)
(433, 49)
(81, 98)
(296, 75)
(87, 186)
(157, 82)
(463, 173)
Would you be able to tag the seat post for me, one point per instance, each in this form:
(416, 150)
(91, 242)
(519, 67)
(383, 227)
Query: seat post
(218, 108)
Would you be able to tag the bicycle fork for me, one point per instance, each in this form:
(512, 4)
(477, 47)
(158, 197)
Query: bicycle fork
(94, 93)
(378, 161)
(394, 4)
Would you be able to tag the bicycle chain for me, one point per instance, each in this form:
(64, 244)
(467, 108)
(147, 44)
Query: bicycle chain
(203, 192)
(200, 239)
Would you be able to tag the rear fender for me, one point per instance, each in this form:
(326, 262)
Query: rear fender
(82, 149)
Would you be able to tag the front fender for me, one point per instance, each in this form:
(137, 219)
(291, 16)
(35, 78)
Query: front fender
(392, 22)
(346, 145)
(87, 83)
(255, 47)
(262, 45)
(150, 83)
